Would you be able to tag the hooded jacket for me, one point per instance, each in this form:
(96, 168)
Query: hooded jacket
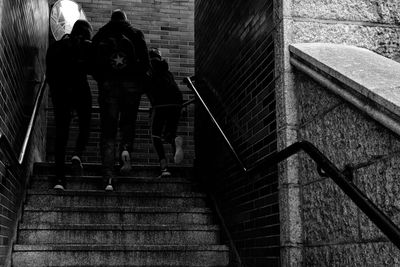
(162, 89)
(137, 39)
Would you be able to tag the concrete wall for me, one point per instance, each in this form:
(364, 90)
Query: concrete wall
(167, 25)
(235, 74)
(23, 43)
(326, 228)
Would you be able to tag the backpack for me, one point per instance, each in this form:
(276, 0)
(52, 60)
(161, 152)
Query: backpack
(117, 54)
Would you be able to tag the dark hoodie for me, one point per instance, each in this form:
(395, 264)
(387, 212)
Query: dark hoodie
(135, 36)
(67, 61)
(163, 90)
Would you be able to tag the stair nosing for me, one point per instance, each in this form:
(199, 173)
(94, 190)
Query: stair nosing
(109, 209)
(119, 227)
(115, 193)
(114, 247)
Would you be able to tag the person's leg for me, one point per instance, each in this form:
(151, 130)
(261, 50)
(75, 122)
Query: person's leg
(84, 110)
(62, 116)
(109, 112)
(157, 125)
(129, 101)
(172, 119)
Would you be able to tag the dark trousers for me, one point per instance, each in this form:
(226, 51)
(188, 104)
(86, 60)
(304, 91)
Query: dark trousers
(119, 103)
(65, 102)
(164, 123)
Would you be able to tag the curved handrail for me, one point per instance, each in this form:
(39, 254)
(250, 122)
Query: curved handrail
(5, 144)
(325, 168)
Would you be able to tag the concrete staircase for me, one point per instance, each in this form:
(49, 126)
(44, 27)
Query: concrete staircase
(146, 221)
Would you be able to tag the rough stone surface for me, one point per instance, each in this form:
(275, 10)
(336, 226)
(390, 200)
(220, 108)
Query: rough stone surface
(380, 182)
(383, 40)
(329, 215)
(363, 255)
(335, 232)
(382, 11)
(375, 77)
(347, 137)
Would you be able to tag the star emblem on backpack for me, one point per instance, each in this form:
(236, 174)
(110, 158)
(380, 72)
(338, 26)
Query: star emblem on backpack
(118, 61)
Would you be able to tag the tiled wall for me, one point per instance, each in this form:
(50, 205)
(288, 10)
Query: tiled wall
(23, 43)
(235, 61)
(168, 25)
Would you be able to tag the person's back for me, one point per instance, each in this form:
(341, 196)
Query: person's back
(162, 89)
(120, 52)
(67, 66)
(120, 84)
(166, 101)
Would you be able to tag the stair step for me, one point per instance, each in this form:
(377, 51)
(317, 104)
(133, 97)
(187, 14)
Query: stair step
(107, 215)
(117, 255)
(102, 198)
(166, 184)
(48, 168)
(117, 234)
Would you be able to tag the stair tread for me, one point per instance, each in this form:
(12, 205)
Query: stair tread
(134, 179)
(114, 193)
(178, 209)
(114, 247)
(134, 165)
(115, 227)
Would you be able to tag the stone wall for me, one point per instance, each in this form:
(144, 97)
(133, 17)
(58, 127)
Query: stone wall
(329, 229)
(23, 44)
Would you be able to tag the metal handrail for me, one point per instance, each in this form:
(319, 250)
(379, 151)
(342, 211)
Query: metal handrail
(5, 144)
(189, 83)
(326, 169)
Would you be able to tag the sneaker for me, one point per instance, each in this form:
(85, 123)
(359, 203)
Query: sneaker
(109, 185)
(165, 173)
(77, 166)
(126, 162)
(178, 157)
(60, 185)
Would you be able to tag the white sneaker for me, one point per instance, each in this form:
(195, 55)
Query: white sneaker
(109, 186)
(178, 157)
(165, 173)
(126, 162)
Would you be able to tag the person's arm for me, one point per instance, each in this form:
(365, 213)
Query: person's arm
(142, 53)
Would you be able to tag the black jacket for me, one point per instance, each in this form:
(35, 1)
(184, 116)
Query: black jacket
(67, 65)
(136, 37)
(162, 89)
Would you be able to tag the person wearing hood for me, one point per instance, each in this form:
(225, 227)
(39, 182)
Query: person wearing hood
(121, 68)
(67, 67)
(166, 100)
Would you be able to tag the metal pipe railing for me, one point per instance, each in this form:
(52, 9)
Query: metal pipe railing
(5, 144)
(325, 168)
(189, 83)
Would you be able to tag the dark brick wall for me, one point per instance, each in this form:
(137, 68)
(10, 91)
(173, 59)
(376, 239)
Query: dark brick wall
(167, 25)
(23, 42)
(235, 72)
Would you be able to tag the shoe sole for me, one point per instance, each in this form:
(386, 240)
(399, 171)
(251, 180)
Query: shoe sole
(178, 157)
(59, 187)
(109, 188)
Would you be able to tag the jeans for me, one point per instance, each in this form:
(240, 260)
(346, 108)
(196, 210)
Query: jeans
(119, 103)
(65, 101)
(164, 123)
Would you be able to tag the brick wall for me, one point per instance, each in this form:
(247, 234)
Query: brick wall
(235, 72)
(23, 42)
(167, 25)
(325, 228)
